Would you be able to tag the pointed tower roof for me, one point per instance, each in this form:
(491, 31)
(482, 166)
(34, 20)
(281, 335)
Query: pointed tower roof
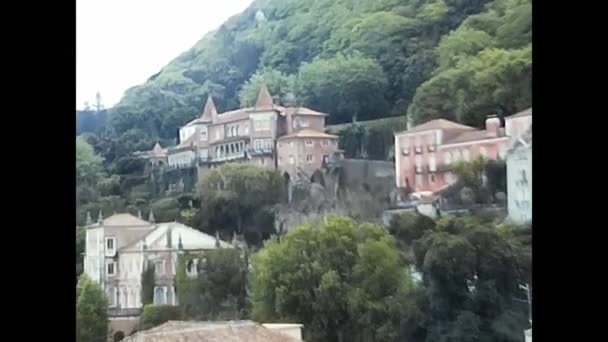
(89, 219)
(264, 101)
(100, 217)
(210, 111)
(217, 239)
(151, 217)
(158, 151)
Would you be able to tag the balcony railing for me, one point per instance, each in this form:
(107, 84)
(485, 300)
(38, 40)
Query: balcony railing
(123, 312)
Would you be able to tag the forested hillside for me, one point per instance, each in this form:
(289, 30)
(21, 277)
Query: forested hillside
(363, 59)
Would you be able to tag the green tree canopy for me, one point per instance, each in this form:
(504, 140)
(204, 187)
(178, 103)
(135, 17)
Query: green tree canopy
(339, 278)
(234, 195)
(278, 83)
(91, 311)
(347, 87)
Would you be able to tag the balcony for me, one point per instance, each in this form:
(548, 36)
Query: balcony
(260, 151)
(123, 312)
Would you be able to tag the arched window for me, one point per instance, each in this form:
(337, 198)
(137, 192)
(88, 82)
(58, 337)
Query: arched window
(159, 296)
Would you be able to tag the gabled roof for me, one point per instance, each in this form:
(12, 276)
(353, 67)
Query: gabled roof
(228, 331)
(437, 124)
(526, 112)
(209, 111)
(302, 111)
(158, 151)
(309, 133)
(192, 239)
(125, 220)
(264, 101)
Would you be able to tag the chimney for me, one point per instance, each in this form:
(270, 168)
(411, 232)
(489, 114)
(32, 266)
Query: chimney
(289, 120)
(493, 125)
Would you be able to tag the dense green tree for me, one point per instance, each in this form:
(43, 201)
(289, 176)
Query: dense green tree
(341, 279)
(233, 194)
(347, 87)
(91, 311)
(219, 290)
(278, 83)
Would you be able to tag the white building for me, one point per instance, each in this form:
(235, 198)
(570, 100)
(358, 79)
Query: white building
(120, 247)
(519, 179)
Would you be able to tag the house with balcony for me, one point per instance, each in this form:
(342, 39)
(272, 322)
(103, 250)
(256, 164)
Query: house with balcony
(290, 139)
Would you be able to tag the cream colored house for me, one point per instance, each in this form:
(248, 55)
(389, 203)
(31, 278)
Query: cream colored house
(120, 247)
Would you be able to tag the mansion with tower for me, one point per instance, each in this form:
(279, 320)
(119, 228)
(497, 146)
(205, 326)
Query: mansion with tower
(289, 139)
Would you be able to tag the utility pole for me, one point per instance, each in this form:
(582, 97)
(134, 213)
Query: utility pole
(528, 295)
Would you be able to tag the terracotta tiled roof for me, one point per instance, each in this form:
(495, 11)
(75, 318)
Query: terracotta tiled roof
(438, 124)
(264, 101)
(232, 331)
(209, 111)
(309, 133)
(470, 136)
(526, 112)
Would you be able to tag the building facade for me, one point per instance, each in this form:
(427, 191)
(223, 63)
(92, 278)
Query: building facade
(424, 153)
(519, 179)
(119, 248)
(289, 139)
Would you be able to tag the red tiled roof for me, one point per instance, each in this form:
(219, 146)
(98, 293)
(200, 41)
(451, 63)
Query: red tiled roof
(438, 124)
(470, 136)
(309, 133)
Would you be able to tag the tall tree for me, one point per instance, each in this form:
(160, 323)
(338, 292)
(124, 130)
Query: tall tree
(341, 279)
(91, 311)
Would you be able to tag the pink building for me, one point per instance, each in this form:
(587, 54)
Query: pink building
(424, 153)
(290, 139)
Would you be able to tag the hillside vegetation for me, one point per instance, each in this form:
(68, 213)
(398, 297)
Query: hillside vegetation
(355, 59)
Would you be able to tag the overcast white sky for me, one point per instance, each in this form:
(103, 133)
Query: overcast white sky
(120, 43)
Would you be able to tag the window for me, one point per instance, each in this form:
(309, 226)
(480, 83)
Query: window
(309, 158)
(246, 129)
(325, 142)
(432, 163)
(268, 144)
(432, 178)
(203, 133)
(257, 144)
(261, 125)
(218, 134)
(308, 142)
(110, 243)
(233, 131)
(159, 267)
(326, 158)
(292, 160)
(159, 296)
(304, 123)
(111, 268)
(204, 153)
(447, 158)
